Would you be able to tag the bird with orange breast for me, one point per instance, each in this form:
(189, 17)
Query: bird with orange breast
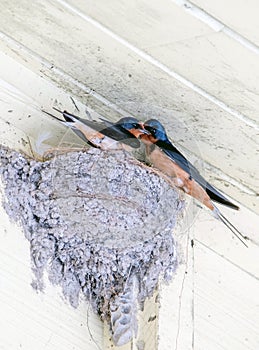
(163, 155)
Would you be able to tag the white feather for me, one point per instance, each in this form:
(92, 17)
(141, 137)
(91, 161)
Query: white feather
(40, 147)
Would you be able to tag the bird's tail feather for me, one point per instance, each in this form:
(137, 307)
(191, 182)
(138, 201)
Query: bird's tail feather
(70, 119)
(229, 225)
(52, 115)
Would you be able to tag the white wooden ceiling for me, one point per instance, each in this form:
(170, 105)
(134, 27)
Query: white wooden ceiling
(194, 66)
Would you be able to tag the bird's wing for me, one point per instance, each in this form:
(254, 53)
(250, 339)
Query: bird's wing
(174, 154)
(105, 127)
(116, 132)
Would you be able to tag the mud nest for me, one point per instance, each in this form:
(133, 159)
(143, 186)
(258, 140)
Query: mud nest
(100, 223)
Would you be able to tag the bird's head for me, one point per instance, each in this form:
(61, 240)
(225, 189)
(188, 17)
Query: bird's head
(156, 130)
(134, 126)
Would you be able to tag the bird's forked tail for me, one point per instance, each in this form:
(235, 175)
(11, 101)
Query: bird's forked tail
(229, 225)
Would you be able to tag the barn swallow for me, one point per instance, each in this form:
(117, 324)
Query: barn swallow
(168, 159)
(105, 135)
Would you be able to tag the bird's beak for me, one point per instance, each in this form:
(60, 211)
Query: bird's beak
(142, 129)
(139, 131)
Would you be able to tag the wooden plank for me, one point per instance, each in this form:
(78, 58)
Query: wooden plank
(22, 119)
(225, 304)
(176, 318)
(213, 63)
(217, 238)
(239, 15)
(143, 23)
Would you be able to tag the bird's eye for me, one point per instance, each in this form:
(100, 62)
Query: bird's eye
(152, 130)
